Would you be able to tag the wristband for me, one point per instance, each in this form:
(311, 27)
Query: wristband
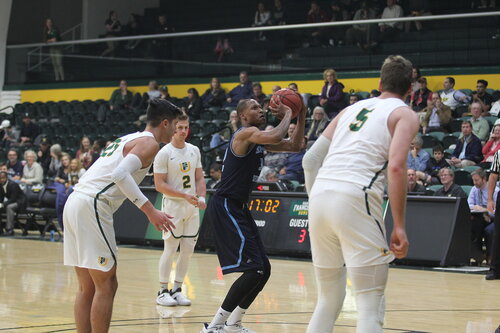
(201, 199)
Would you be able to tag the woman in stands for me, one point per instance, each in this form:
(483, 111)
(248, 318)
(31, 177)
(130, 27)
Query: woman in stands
(55, 160)
(62, 173)
(332, 94)
(33, 171)
(84, 154)
(52, 35)
(193, 104)
(215, 95)
(491, 147)
(75, 171)
(319, 122)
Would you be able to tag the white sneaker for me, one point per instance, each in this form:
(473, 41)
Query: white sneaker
(216, 329)
(164, 298)
(237, 328)
(179, 297)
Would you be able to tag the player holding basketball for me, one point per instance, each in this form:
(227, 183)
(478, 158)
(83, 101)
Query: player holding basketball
(345, 209)
(89, 238)
(239, 246)
(179, 176)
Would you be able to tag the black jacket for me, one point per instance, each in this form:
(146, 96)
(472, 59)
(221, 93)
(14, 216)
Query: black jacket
(14, 194)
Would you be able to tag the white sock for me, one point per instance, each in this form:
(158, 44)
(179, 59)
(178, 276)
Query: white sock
(236, 316)
(177, 285)
(219, 318)
(163, 286)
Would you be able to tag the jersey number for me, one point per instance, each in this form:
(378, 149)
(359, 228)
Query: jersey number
(186, 180)
(361, 118)
(111, 148)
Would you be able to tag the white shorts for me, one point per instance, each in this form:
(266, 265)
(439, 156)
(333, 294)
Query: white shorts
(186, 218)
(89, 236)
(342, 230)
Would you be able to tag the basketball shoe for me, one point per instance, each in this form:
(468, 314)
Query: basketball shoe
(164, 298)
(237, 328)
(216, 329)
(179, 297)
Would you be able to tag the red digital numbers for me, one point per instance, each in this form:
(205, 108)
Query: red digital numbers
(302, 236)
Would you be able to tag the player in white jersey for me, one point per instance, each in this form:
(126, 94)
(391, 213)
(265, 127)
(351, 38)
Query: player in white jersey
(179, 176)
(345, 176)
(89, 239)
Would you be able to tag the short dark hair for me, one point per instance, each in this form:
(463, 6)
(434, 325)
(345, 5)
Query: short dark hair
(161, 109)
(438, 148)
(480, 172)
(452, 80)
(396, 75)
(467, 122)
(293, 84)
(215, 166)
(257, 84)
(484, 82)
(242, 105)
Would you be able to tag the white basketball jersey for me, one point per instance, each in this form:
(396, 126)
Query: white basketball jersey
(359, 150)
(180, 166)
(97, 179)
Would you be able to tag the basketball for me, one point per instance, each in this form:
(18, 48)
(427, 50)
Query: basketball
(288, 97)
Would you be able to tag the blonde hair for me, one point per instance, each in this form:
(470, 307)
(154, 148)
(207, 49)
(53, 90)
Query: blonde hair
(78, 164)
(328, 71)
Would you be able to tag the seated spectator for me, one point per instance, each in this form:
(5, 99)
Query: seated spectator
(44, 154)
(133, 28)
(262, 18)
(241, 91)
(193, 105)
(152, 92)
(215, 95)
(225, 135)
(319, 122)
(98, 148)
(215, 176)
(491, 147)
(437, 115)
(84, 154)
(421, 97)
(75, 171)
(63, 171)
(28, 132)
(32, 171)
(12, 200)
(121, 98)
(480, 126)
(223, 47)
(415, 77)
(278, 15)
(480, 217)
(291, 129)
(332, 94)
(361, 34)
(468, 150)
(295, 87)
(274, 160)
(417, 8)
(389, 30)
(55, 160)
(258, 95)
(113, 29)
(14, 166)
(9, 136)
(413, 186)
(375, 93)
(417, 158)
(436, 163)
(449, 189)
(452, 97)
(316, 15)
(353, 98)
(482, 97)
(293, 168)
(276, 87)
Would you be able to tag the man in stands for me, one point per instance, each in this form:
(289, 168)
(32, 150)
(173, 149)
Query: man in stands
(241, 91)
(12, 200)
(215, 175)
(8, 135)
(450, 96)
(449, 189)
(421, 97)
(468, 150)
(29, 131)
(293, 168)
(482, 97)
(437, 115)
(121, 98)
(14, 166)
(413, 186)
(480, 126)
(389, 30)
(258, 95)
(353, 98)
(417, 158)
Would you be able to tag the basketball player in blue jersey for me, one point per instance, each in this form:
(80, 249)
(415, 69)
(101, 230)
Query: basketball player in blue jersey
(239, 246)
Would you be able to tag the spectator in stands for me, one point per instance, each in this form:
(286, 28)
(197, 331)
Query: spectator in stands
(413, 186)
(44, 154)
(353, 98)
(450, 96)
(293, 168)
(468, 150)
(222, 48)
(63, 171)
(97, 149)
(335, 35)
(278, 14)
(193, 105)
(215, 95)
(276, 88)
(262, 18)
(415, 76)
(449, 189)
(32, 171)
(436, 163)
(361, 35)
(113, 29)
(215, 176)
(417, 8)
(491, 147)
(295, 87)
(389, 30)
(165, 95)
(224, 135)
(241, 91)
(374, 93)
(9, 135)
(55, 160)
(291, 129)
(319, 122)
(76, 171)
(121, 98)
(29, 131)
(480, 126)
(133, 28)
(84, 154)
(272, 176)
(315, 15)
(12, 200)
(153, 92)
(258, 95)
(417, 158)
(332, 94)
(273, 160)
(482, 97)
(14, 166)
(52, 35)
(437, 115)
(480, 217)
(421, 97)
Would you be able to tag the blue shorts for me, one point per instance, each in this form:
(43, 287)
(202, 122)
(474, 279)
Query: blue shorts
(239, 247)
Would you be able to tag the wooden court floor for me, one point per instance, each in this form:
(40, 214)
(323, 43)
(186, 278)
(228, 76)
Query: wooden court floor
(37, 292)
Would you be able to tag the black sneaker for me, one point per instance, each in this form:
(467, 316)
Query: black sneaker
(492, 275)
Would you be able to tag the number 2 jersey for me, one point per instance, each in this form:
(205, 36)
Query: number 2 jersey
(97, 179)
(359, 150)
(180, 166)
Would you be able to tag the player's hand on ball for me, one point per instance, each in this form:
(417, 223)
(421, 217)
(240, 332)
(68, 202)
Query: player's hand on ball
(399, 243)
(280, 111)
(161, 221)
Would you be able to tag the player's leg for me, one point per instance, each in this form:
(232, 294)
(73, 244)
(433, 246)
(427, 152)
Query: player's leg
(186, 251)
(106, 285)
(83, 300)
(170, 245)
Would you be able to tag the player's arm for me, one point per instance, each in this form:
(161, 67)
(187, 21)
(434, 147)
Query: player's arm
(201, 187)
(139, 154)
(162, 186)
(403, 124)
(293, 143)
